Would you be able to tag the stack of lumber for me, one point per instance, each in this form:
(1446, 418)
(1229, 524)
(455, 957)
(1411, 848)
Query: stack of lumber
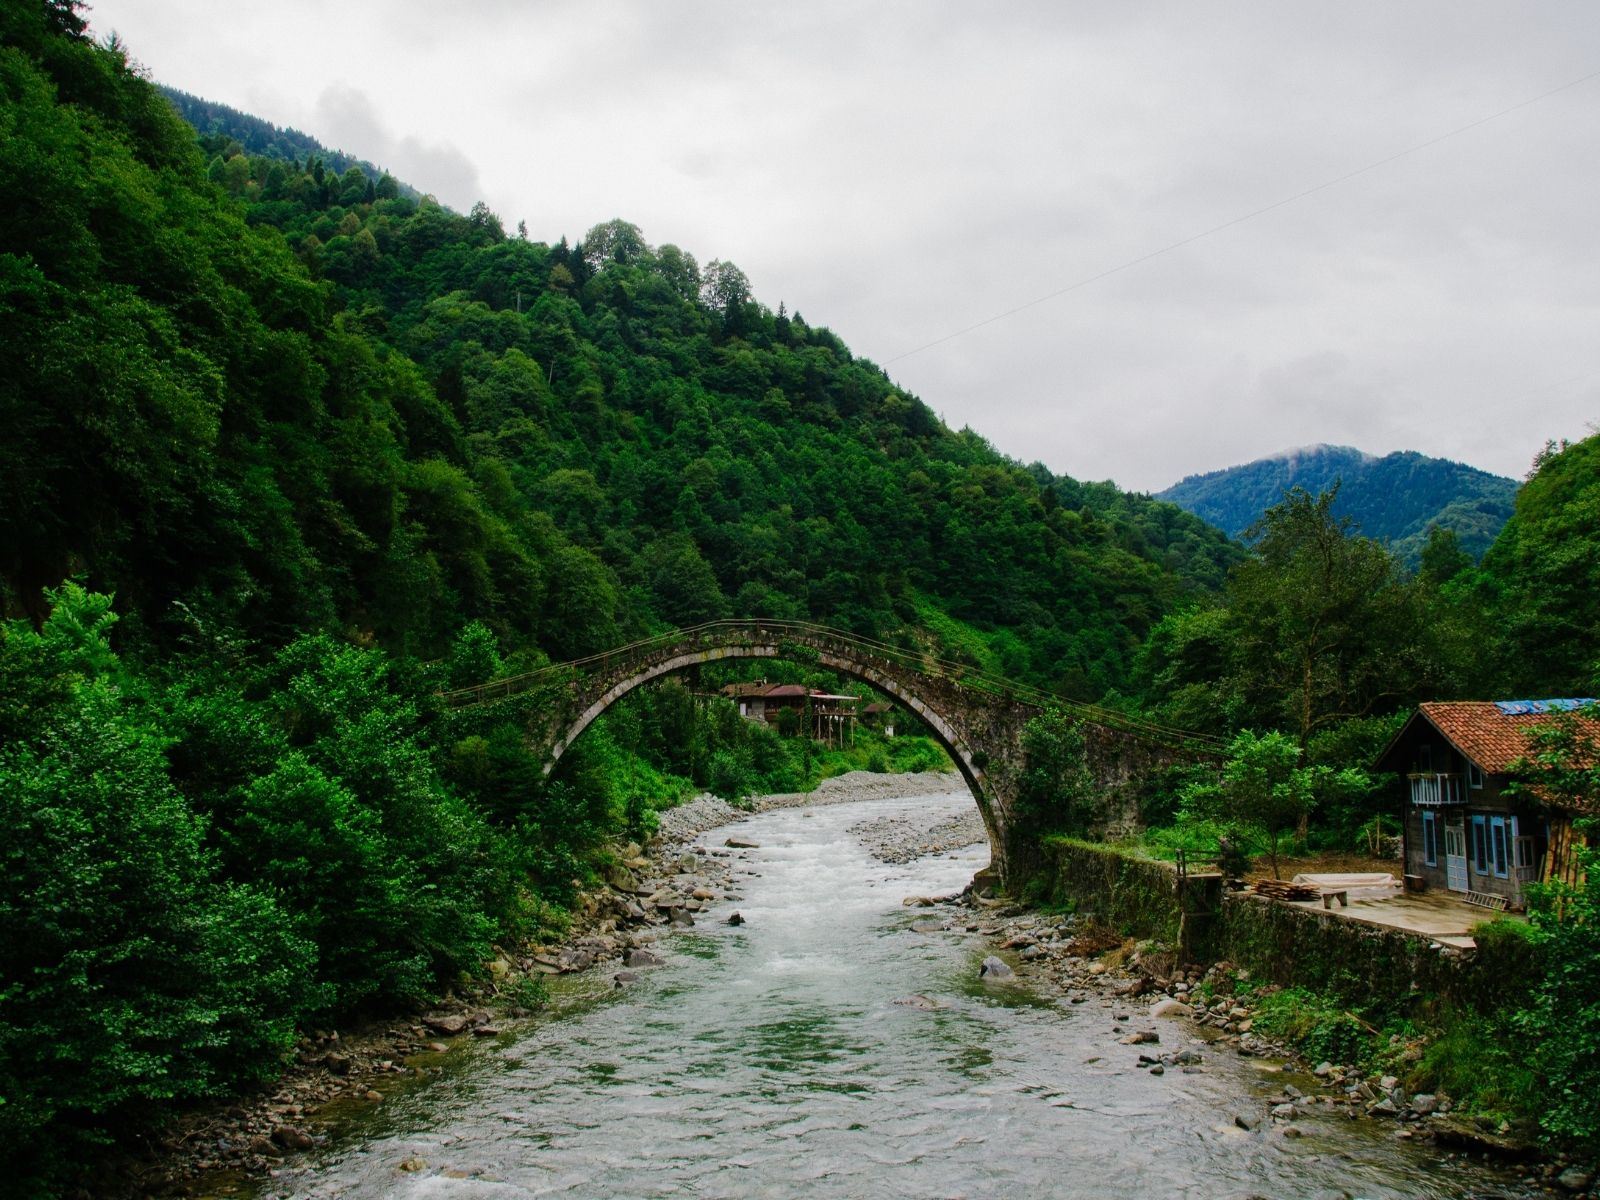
(1279, 889)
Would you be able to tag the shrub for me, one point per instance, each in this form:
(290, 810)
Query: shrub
(129, 976)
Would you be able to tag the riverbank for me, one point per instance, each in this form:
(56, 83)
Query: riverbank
(334, 1072)
(1143, 1015)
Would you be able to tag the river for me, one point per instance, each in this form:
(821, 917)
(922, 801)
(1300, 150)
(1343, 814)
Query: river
(771, 1059)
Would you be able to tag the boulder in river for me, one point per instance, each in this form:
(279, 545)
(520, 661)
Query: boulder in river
(734, 843)
(1171, 1008)
(922, 1002)
(643, 958)
(994, 968)
(736, 919)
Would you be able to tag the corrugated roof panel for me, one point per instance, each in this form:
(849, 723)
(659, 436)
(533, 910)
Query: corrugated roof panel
(1521, 708)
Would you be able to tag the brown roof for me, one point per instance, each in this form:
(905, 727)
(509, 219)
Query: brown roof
(1489, 737)
(785, 689)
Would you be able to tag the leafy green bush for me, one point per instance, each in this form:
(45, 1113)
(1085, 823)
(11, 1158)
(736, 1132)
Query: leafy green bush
(1320, 1028)
(131, 975)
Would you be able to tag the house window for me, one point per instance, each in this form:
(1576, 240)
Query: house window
(1499, 847)
(1430, 840)
(1522, 847)
(1474, 775)
(1480, 845)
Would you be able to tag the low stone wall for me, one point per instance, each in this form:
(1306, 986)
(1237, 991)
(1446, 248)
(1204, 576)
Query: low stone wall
(1369, 964)
(1360, 964)
(1352, 961)
(1136, 895)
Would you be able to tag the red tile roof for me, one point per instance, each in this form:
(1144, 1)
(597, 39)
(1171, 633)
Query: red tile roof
(1487, 736)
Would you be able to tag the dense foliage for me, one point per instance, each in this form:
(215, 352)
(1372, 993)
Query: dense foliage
(1397, 498)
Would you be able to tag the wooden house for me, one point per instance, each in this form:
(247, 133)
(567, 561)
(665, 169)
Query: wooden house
(832, 716)
(1465, 830)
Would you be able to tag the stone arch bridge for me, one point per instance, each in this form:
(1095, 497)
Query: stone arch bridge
(977, 718)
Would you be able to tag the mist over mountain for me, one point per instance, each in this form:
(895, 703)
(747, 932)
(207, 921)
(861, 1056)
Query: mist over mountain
(1395, 498)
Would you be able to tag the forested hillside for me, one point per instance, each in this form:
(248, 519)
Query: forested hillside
(316, 404)
(232, 132)
(285, 453)
(1396, 499)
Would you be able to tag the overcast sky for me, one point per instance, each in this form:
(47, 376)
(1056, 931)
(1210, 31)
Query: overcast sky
(903, 171)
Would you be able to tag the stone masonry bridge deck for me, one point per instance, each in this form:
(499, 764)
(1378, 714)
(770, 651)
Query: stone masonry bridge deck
(977, 718)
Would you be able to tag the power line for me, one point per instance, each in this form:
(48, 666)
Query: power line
(1249, 216)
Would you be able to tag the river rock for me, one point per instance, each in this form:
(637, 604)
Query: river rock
(1284, 1112)
(643, 958)
(449, 1023)
(1033, 951)
(922, 1002)
(1171, 1008)
(1143, 1037)
(573, 959)
(735, 919)
(413, 1163)
(994, 968)
(1246, 1123)
(619, 877)
(291, 1138)
(1575, 1179)
(680, 918)
(1424, 1104)
(741, 844)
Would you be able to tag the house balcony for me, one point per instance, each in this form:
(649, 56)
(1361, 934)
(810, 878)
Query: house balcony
(1433, 790)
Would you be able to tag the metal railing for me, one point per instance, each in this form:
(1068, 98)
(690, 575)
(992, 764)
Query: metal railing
(866, 652)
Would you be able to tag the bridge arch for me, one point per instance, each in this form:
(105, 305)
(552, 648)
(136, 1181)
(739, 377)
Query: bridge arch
(944, 732)
(978, 719)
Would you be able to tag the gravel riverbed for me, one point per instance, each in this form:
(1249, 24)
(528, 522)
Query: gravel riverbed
(1164, 1018)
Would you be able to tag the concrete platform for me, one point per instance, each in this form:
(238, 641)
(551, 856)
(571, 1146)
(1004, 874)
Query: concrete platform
(1438, 915)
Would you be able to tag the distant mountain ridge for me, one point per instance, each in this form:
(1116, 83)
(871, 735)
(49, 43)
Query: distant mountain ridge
(259, 137)
(1394, 498)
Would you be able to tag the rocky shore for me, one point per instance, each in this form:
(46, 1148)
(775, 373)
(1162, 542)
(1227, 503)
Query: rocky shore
(334, 1073)
(1160, 1017)
(1173, 1019)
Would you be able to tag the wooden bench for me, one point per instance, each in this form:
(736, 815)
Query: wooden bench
(1343, 897)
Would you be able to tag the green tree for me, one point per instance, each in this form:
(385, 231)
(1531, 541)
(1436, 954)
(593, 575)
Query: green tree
(1563, 769)
(1262, 789)
(1326, 628)
(1057, 791)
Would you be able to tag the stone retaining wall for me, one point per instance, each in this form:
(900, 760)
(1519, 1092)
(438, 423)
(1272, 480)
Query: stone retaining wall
(1136, 895)
(1357, 963)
